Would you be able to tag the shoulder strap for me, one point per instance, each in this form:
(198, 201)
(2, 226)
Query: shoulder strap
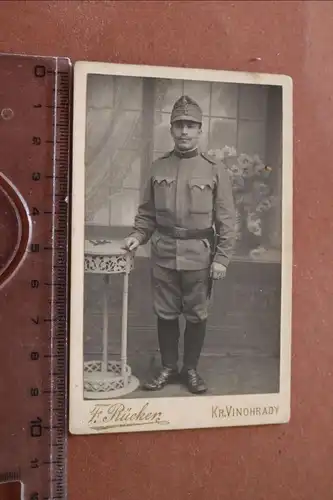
(209, 158)
(166, 155)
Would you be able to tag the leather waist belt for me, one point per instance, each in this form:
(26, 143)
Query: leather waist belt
(182, 233)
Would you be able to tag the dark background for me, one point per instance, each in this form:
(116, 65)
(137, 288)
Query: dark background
(286, 462)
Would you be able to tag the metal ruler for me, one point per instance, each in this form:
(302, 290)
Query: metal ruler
(35, 117)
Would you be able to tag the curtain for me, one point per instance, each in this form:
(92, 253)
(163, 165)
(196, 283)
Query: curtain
(108, 133)
(114, 139)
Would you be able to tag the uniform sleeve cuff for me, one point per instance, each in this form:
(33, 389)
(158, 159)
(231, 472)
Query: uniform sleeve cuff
(221, 259)
(139, 236)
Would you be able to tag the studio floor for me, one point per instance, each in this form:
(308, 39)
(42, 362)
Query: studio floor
(223, 376)
(241, 351)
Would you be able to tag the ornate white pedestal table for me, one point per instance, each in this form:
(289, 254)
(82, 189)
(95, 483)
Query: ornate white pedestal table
(105, 379)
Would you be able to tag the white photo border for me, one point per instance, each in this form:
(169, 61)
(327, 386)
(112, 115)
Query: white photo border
(170, 413)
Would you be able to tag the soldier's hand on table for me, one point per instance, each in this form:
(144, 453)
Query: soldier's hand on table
(131, 243)
(218, 271)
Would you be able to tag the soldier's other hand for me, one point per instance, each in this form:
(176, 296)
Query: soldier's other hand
(218, 271)
(131, 243)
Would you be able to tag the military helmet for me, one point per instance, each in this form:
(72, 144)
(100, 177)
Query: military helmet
(185, 108)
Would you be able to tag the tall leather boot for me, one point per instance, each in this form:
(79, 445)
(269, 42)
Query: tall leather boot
(194, 337)
(168, 339)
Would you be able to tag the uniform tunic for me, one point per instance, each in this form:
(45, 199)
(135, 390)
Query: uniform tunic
(191, 191)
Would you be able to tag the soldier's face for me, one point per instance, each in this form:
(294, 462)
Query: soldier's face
(186, 134)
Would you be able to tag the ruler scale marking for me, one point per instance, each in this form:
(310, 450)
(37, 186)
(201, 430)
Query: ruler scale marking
(38, 167)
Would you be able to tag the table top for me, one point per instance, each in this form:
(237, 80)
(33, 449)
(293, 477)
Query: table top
(105, 247)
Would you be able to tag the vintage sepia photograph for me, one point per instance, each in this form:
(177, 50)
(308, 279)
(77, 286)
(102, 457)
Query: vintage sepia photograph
(181, 248)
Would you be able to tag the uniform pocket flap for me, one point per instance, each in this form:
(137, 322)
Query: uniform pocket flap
(201, 183)
(163, 180)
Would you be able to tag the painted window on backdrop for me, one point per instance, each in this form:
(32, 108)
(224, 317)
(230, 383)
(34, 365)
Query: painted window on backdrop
(239, 118)
(128, 126)
(113, 149)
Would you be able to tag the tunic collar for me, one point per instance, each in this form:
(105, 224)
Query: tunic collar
(186, 154)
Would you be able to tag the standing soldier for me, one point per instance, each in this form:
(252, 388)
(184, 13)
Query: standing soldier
(188, 213)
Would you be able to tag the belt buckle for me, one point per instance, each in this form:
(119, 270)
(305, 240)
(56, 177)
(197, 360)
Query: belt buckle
(180, 232)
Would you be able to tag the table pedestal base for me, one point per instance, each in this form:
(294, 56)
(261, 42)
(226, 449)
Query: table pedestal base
(110, 383)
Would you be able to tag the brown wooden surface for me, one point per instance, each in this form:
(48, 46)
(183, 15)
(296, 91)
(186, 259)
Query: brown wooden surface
(285, 462)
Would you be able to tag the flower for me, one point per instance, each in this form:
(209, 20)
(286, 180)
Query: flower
(248, 176)
(225, 152)
(254, 224)
(235, 170)
(237, 182)
(229, 151)
(266, 204)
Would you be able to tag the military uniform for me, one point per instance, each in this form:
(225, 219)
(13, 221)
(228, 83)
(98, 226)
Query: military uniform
(190, 191)
(187, 213)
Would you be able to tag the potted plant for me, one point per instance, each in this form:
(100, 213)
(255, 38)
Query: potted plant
(253, 196)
